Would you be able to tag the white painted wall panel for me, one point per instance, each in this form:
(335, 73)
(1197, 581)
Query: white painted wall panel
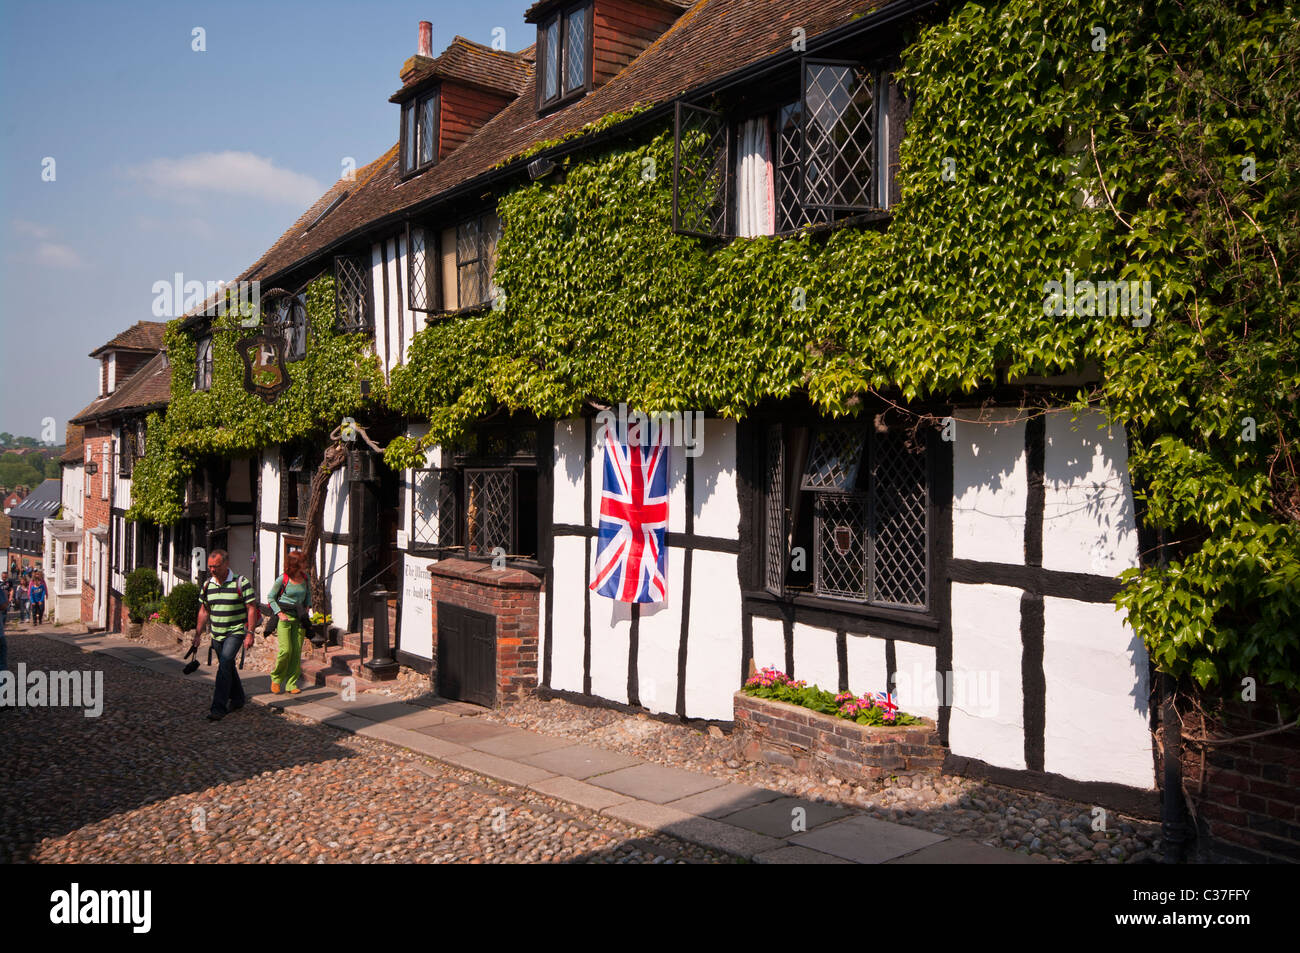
(336, 584)
(714, 646)
(717, 504)
(271, 485)
(769, 644)
(336, 503)
(417, 609)
(815, 659)
(394, 338)
(986, 644)
(570, 438)
(868, 670)
(1097, 692)
(381, 316)
(914, 681)
(267, 545)
(990, 488)
(566, 653)
(660, 635)
(1089, 524)
(611, 629)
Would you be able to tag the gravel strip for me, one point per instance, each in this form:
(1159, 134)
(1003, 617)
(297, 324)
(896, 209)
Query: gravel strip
(1025, 822)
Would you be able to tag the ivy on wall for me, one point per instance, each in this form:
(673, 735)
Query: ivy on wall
(228, 421)
(1091, 141)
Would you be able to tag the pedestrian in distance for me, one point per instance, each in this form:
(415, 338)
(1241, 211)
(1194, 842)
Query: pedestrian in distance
(37, 595)
(24, 587)
(226, 601)
(4, 611)
(290, 600)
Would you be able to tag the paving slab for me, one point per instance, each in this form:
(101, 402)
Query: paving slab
(518, 746)
(580, 761)
(433, 747)
(386, 713)
(725, 800)
(578, 792)
(349, 723)
(777, 818)
(656, 783)
(419, 718)
(958, 851)
(721, 836)
(866, 840)
(512, 772)
(798, 855)
(386, 732)
(463, 732)
(309, 710)
(655, 817)
(334, 698)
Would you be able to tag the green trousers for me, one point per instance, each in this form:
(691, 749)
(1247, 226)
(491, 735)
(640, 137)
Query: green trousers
(289, 658)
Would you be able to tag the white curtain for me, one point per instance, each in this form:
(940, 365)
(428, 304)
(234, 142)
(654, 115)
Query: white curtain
(755, 186)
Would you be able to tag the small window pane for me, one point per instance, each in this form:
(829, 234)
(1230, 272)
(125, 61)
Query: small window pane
(841, 554)
(489, 511)
(834, 460)
(575, 50)
(409, 137)
(551, 61)
(428, 128)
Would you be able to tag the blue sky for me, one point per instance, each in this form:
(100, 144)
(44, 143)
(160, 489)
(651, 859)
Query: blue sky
(167, 159)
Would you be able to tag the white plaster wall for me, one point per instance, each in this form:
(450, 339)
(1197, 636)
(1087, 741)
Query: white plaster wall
(1097, 694)
(270, 503)
(395, 339)
(73, 492)
(417, 614)
(1089, 524)
(769, 644)
(336, 503)
(570, 437)
(714, 645)
(566, 652)
(717, 504)
(381, 316)
(658, 640)
(611, 630)
(990, 487)
(815, 658)
(268, 545)
(868, 668)
(914, 683)
(336, 557)
(986, 643)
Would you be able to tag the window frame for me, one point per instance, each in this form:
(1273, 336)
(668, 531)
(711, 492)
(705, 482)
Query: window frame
(501, 449)
(414, 108)
(559, 18)
(433, 296)
(276, 323)
(486, 266)
(768, 585)
(347, 321)
(204, 363)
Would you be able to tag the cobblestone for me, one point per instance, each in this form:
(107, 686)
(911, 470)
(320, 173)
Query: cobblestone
(151, 780)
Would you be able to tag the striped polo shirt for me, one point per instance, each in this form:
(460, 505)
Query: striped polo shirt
(227, 604)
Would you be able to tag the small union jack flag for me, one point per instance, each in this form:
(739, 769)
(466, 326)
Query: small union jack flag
(886, 701)
(631, 553)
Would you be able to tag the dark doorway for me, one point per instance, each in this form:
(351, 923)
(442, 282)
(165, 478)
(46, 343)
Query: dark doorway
(467, 655)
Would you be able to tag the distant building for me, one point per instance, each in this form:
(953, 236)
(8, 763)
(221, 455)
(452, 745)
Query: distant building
(27, 530)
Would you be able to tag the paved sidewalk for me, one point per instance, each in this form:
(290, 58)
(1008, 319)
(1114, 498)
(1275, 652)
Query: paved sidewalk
(763, 825)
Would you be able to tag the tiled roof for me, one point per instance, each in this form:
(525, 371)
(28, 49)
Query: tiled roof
(42, 503)
(541, 7)
(474, 64)
(146, 389)
(141, 336)
(72, 451)
(709, 41)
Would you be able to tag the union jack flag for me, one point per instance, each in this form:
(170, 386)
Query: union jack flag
(631, 553)
(885, 700)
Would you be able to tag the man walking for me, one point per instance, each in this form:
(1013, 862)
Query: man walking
(227, 601)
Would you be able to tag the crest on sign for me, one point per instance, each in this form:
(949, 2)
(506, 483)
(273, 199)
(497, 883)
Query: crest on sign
(265, 373)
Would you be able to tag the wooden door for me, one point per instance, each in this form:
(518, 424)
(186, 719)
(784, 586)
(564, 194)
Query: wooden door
(467, 655)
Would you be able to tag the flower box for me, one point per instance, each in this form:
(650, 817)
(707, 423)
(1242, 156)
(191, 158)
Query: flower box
(776, 732)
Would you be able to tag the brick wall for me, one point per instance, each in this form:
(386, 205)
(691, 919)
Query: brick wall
(511, 596)
(1248, 803)
(808, 741)
(96, 512)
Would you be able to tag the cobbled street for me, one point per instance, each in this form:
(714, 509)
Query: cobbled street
(151, 780)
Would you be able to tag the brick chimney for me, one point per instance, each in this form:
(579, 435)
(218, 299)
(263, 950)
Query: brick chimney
(424, 53)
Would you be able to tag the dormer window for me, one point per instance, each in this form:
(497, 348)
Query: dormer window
(564, 55)
(419, 133)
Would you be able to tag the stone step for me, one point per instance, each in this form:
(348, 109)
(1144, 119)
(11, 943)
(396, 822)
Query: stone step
(337, 663)
(356, 642)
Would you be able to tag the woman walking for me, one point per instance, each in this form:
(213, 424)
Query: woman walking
(37, 594)
(23, 589)
(290, 599)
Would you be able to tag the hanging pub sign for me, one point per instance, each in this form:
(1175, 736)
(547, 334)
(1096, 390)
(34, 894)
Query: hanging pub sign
(265, 373)
(361, 466)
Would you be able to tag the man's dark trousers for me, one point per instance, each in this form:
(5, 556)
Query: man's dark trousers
(229, 693)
